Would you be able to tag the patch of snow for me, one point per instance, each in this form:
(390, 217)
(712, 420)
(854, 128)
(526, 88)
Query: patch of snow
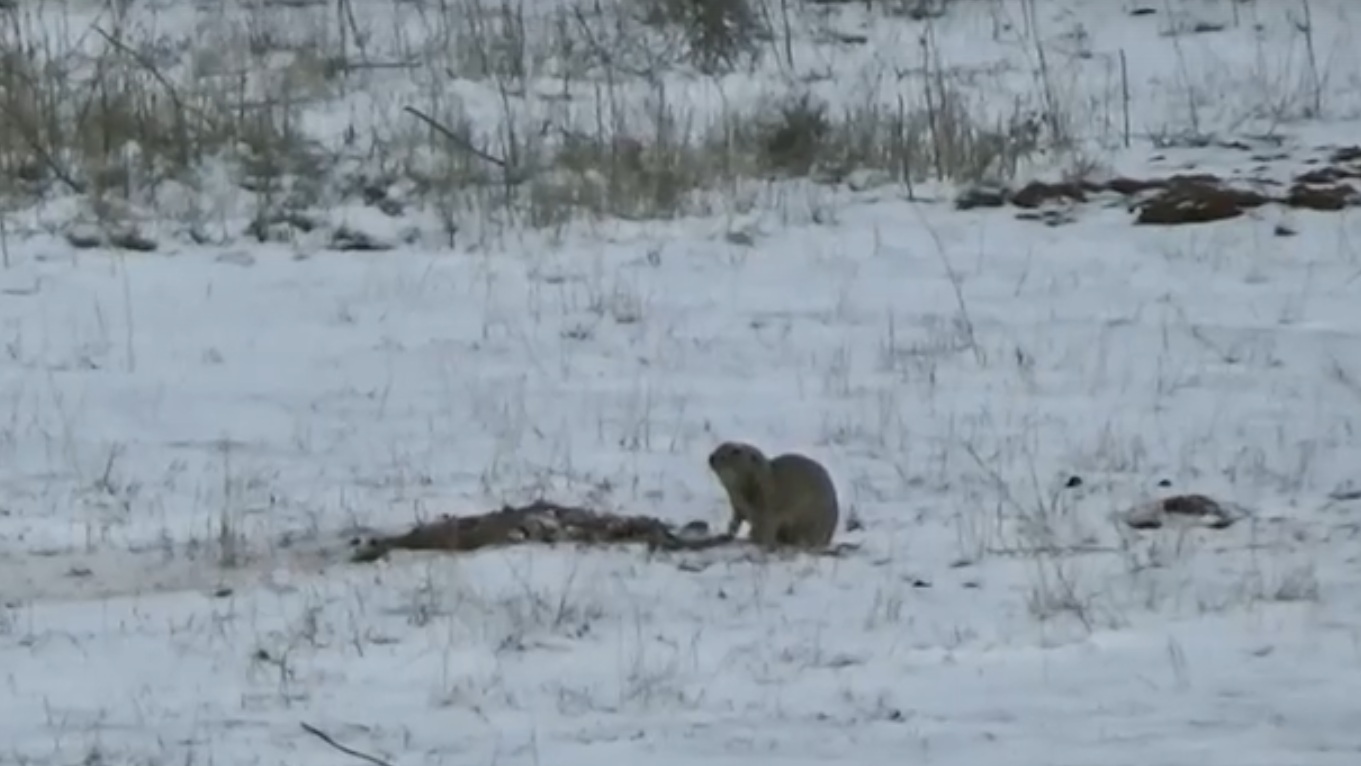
(189, 437)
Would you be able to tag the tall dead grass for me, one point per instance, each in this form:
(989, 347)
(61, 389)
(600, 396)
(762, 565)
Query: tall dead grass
(533, 115)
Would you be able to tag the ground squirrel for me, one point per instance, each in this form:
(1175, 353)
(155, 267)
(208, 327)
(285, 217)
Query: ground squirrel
(787, 500)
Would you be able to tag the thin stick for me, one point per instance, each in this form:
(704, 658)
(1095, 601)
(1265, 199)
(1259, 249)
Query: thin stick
(1124, 93)
(455, 138)
(1317, 82)
(324, 737)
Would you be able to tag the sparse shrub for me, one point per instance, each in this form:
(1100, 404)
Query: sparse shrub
(964, 147)
(720, 35)
(623, 176)
(795, 138)
(493, 41)
(114, 117)
(939, 138)
(112, 124)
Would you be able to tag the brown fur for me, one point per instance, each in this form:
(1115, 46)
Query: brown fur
(788, 500)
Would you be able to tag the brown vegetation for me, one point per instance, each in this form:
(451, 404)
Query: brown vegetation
(541, 522)
(1191, 507)
(1191, 198)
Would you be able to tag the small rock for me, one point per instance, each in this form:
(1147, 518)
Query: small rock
(981, 196)
(374, 193)
(84, 236)
(391, 207)
(1037, 193)
(346, 239)
(740, 238)
(864, 179)
(132, 239)
(280, 226)
(1198, 510)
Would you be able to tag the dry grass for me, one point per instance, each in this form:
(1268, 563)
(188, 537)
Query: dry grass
(510, 113)
(531, 115)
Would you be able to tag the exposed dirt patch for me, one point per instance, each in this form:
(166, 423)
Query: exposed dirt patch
(64, 575)
(1187, 198)
(1189, 509)
(541, 522)
(1196, 201)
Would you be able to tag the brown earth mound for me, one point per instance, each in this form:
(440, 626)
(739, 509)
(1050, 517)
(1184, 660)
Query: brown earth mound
(1196, 198)
(1193, 508)
(540, 522)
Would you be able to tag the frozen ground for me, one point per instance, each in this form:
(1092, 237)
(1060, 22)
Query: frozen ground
(154, 401)
(185, 436)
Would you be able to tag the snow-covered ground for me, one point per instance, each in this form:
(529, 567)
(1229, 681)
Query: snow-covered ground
(187, 437)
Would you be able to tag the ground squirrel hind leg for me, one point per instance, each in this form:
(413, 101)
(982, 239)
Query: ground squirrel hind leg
(768, 533)
(788, 536)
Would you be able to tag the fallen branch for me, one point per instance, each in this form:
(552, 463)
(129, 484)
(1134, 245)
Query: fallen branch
(328, 739)
(455, 138)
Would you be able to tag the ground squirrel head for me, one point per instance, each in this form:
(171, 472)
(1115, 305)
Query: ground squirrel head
(736, 456)
(743, 470)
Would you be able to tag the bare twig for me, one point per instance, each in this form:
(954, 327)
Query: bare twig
(455, 138)
(328, 739)
(1000, 483)
(1344, 377)
(145, 63)
(34, 136)
(511, 173)
(957, 286)
(602, 53)
(170, 90)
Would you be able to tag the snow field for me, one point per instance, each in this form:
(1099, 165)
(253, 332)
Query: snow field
(188, 437)
(373, 389)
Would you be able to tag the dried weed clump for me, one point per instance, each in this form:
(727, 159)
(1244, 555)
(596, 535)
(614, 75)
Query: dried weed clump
(532, 116)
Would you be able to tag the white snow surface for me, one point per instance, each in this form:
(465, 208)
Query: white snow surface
(188, 438)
